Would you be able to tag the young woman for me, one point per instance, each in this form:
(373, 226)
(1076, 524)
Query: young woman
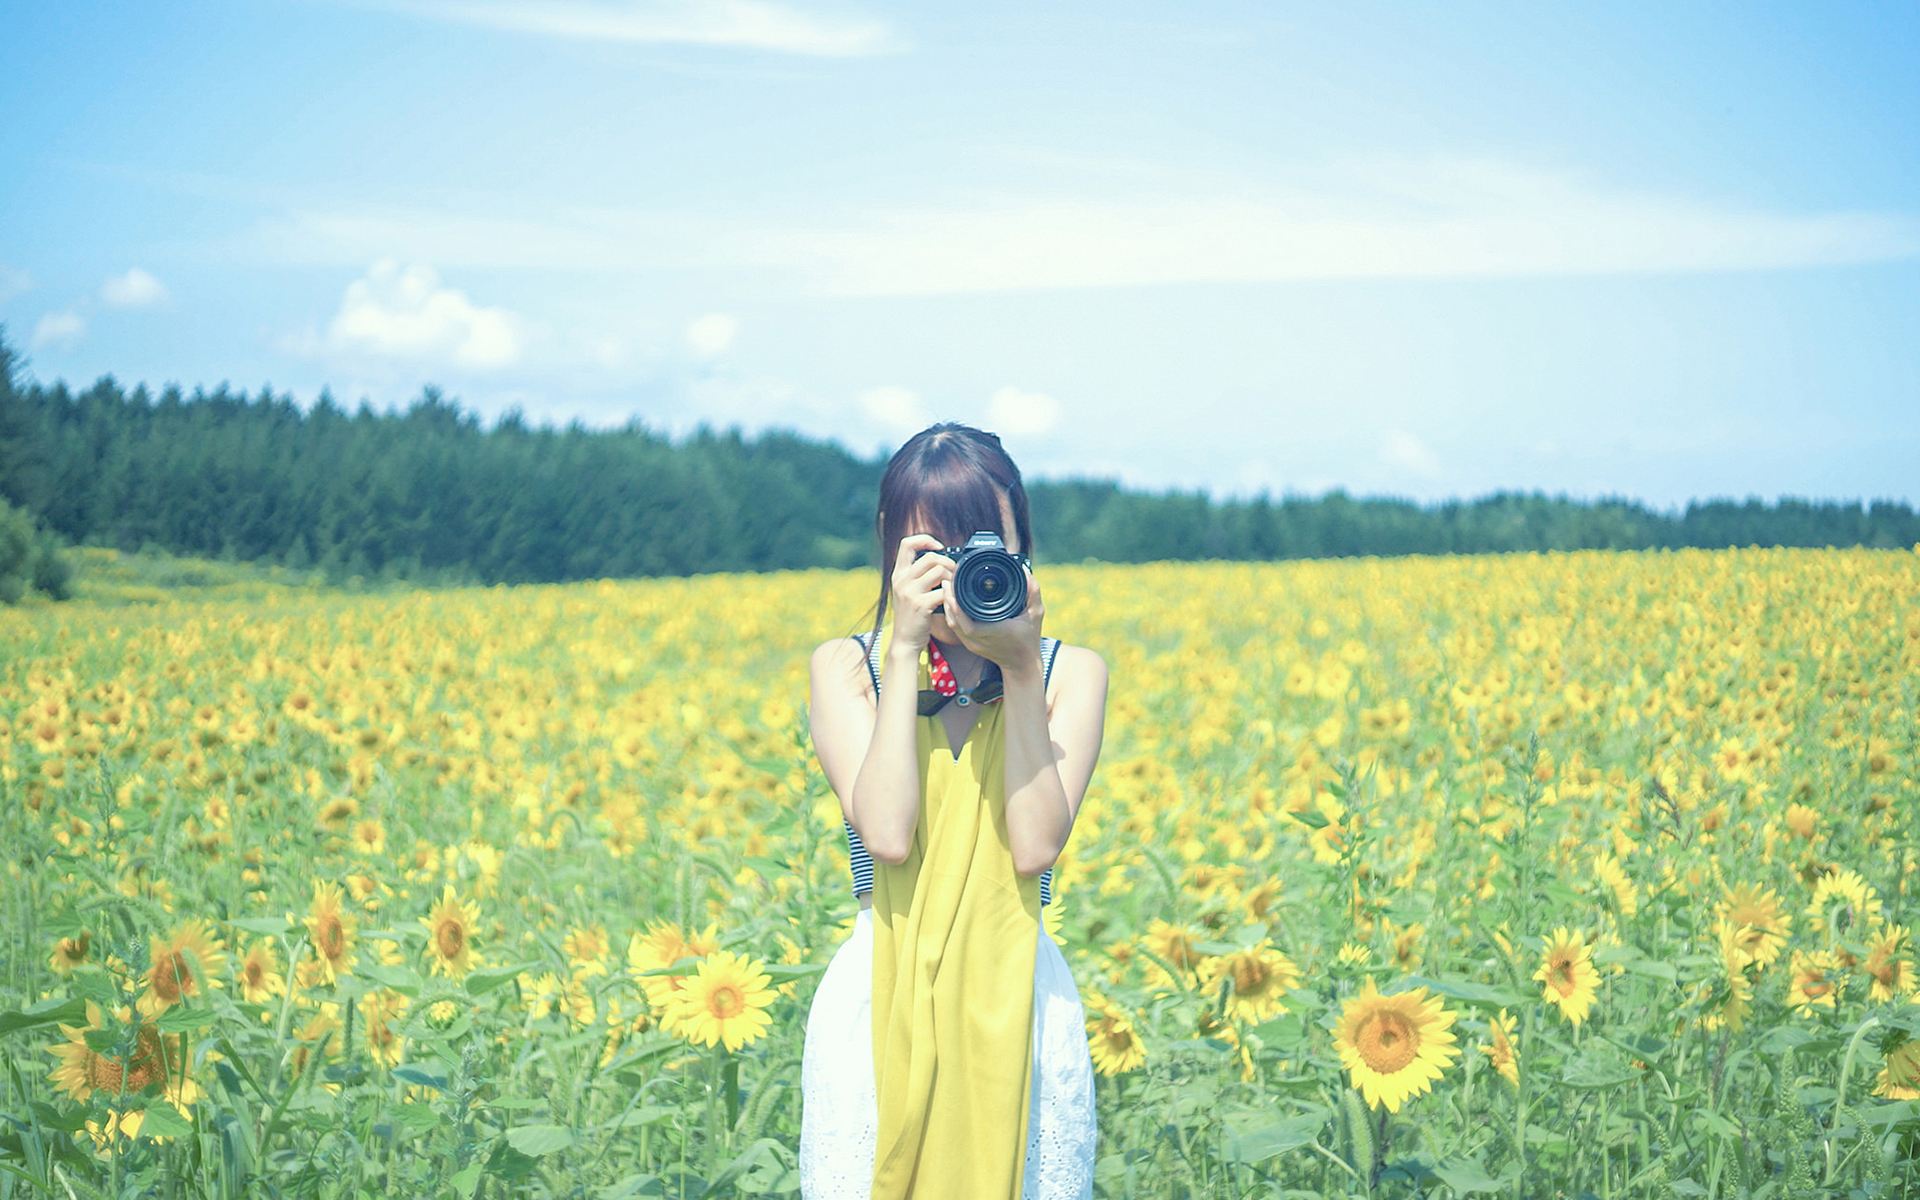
(946, 1050)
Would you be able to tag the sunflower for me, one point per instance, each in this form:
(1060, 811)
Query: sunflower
(587, 949)
(381, 1012)
(331, 931)
(1888, 968)
(1728, 997)
(1608, 870)
(184, 966)
(1812, 981)
(1114, 1043)
(661, 946)
(1765, 922)
(724, 1000)
(1899, 1077)
(260, 978)
(1177, 944)
(369, 836)
(1394, 1046)
(320, 1033)
(1844, 900)
(81, 1070)
(1567, 976)
(1506, 1031)
(70, 952)
(1261, 976)
(450, 935)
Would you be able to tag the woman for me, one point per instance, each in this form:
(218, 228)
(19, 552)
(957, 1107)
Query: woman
(955, 810)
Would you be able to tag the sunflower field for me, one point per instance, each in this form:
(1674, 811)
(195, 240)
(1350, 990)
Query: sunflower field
(1537, 875)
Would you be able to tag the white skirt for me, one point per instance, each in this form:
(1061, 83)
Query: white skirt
(838, 1115)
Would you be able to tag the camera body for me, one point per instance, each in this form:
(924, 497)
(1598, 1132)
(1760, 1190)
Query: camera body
(989, 581)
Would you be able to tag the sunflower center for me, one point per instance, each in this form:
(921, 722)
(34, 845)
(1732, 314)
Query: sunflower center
(1562, 975)
(172, 976)
(449, 938)
(1387, 1042)
(332, 937)
(727, 1002)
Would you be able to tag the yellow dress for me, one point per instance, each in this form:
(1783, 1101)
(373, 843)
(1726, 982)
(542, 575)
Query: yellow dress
(955, 934)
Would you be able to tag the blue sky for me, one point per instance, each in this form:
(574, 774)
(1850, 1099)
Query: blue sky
(1657, 251)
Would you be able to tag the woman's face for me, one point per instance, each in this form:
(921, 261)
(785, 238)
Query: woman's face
(943, 632)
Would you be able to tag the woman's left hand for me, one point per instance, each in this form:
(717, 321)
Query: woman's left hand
(1014, 640)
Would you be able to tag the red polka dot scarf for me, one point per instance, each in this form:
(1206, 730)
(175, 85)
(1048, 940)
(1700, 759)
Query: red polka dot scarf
(945, 688)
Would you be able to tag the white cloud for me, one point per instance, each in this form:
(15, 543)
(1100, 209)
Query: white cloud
(1022, 414)
(1409, 218)
(1357, 218)
(1403, 451)
(894, 408)
(745, 24)
(59, 329)
(397, 312)
(711, 334)
(14, 281)
(135, 289)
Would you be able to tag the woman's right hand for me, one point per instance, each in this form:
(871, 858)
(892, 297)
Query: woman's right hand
(916, 587)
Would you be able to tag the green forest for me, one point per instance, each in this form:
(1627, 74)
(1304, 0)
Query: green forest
(432, 494)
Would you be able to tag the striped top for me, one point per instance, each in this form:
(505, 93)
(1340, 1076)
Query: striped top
(857, 855)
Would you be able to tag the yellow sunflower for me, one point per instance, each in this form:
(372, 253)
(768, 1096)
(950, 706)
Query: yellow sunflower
(1844, 900)
(1567, 975)
(1608, 870)
(724, 1000)
(260, 978)
(1394, 1046)
(331, 931)
(661, 946)
(70, 952)
(1813, 981)
(381, 1012)
(1728, 997)
(450, 935)
(184, 965)
(586, 950)
(1505, 1031)
(1766, 922)
(1889, 970)
(1114, 1042)
(81, 1070)
(1261, 976)
(1899, 1077)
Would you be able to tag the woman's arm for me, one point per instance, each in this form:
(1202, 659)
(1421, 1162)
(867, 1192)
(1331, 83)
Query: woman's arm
(871, 758)
(1050, 760)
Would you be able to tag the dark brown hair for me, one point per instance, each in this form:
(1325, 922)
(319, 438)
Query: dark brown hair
(954, 475)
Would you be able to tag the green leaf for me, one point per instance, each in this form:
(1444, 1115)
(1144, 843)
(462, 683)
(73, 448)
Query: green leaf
(1257, 1143)
(536, 1140)
(266, 925)
(1595, 1068)
(1466, 1175)
(780, 972)
(71, 1011)
(414, 1118)
(487, 979)
(182, 1019)
(1472, 993)
(467, 1178)
(163, 1120)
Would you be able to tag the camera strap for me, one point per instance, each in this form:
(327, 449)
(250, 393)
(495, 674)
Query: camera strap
(946, 688)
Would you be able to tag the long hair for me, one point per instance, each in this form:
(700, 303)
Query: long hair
(953, 475)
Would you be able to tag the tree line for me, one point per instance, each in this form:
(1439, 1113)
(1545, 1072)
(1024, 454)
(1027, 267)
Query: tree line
(430, 494)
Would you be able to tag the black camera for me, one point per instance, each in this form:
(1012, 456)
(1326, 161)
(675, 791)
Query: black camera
(989, 581)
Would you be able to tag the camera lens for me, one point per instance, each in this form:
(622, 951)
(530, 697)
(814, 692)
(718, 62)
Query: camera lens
(990, 586)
